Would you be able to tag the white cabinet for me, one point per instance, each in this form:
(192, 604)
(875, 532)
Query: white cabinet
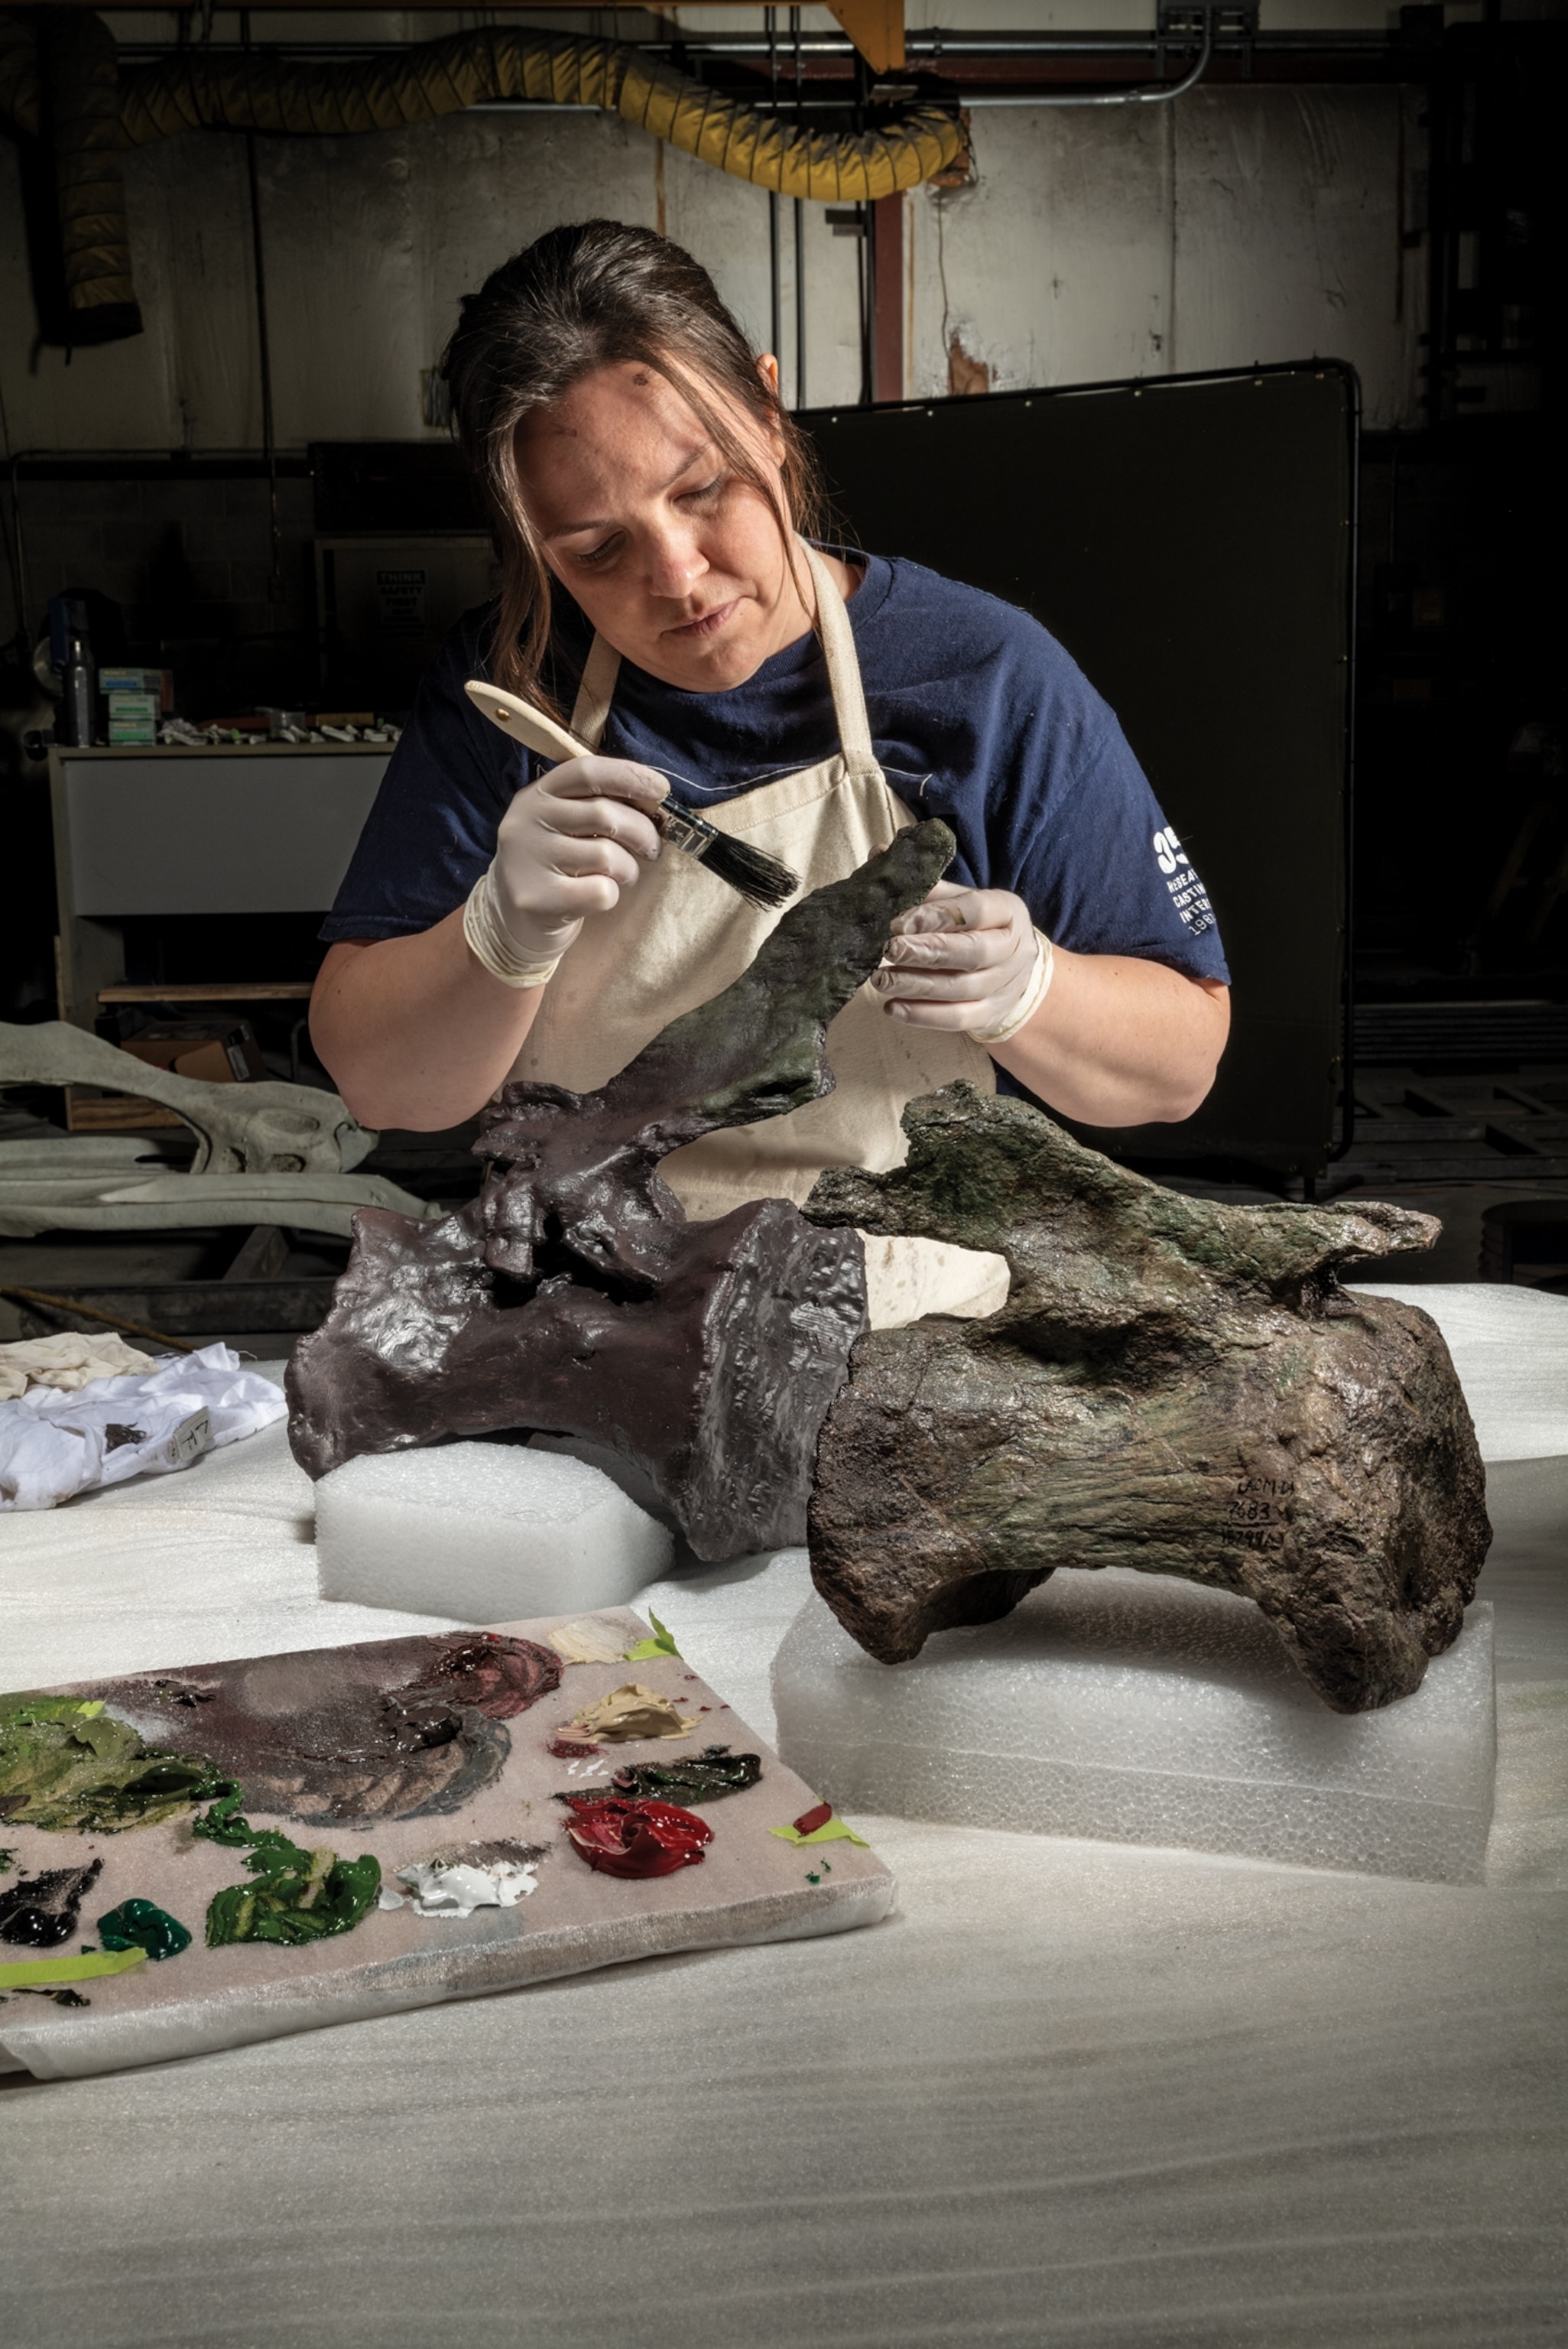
(266, 831)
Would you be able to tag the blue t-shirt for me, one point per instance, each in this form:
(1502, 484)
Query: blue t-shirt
(978, 716)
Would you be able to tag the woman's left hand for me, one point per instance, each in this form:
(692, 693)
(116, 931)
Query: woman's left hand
(960, 959)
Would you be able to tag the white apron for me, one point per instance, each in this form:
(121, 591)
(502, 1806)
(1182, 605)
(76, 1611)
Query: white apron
(680, 936)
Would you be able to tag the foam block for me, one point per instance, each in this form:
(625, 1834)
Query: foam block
(1132, 1709)
(1510, 1348)
(482, 1533)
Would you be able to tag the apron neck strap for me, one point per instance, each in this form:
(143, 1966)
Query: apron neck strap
(603, 666)
(595, 692)
(844, 667)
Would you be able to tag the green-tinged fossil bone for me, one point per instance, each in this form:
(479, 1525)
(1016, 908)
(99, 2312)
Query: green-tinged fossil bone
(1173, 1384)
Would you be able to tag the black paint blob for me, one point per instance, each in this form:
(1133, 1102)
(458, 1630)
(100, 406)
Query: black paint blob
(39, 1912)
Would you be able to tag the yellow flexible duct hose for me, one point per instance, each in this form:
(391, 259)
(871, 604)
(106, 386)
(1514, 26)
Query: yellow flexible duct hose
(58, 74)
(59, 78)
(21, 90)
(80, 67)
(195, 91)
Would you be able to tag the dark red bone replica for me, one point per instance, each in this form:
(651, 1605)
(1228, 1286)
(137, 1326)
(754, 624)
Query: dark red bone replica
(574, 1297)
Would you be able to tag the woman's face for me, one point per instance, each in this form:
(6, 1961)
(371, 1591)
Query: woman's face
(675, 558)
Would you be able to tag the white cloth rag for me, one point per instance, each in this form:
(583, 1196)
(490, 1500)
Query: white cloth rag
(53, 1444)
(73, 1360)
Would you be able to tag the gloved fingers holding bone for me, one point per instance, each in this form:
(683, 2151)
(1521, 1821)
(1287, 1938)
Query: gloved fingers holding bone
(968, 959)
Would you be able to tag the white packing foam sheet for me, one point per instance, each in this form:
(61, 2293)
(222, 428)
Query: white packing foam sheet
(1104, 2095)
(732, 1620)
(1135, 1709)
(214, 1560)
(487, 1532)
(1510, 1348)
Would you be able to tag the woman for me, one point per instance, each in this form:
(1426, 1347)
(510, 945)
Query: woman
(652, 505)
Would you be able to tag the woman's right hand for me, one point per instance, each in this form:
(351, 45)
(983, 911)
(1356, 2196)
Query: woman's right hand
(569, 844)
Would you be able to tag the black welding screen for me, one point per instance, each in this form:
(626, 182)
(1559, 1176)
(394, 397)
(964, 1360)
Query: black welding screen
(1189, 542)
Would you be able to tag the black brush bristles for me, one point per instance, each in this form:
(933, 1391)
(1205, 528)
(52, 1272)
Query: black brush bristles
(760, 880)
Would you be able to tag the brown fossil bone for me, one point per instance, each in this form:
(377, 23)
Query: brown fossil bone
(1173, 1384)
(573, 1296)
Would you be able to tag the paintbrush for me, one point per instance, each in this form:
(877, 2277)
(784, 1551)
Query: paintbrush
(761, 879)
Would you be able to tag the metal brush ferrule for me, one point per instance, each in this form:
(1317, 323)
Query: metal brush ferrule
(687, 832)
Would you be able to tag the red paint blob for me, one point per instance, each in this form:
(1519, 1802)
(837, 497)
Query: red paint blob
(809, 1821)
(638, 1838)
(570, 1748)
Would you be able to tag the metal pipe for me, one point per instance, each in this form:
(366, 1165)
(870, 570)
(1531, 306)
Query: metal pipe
(15, 548)
(58, 1305)
(800, 243)
(1352, 580)
(933, 45)
(264, 346)
(775, 257)
(1150, 94)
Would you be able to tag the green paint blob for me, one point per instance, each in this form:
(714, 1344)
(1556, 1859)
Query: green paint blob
(65, 1763)
(222, 1823)
(298, 1896)
(691, 1777)
(137, 1925)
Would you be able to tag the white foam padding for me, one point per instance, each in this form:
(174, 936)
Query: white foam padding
(1510, 1348)
(482, 1532)
(1130, 1708)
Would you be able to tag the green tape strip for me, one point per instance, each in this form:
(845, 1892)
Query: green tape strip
(27, 1972)
(647, 1652)
(835, 1831)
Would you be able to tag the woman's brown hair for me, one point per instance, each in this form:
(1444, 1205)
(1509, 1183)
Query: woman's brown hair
(577, 299)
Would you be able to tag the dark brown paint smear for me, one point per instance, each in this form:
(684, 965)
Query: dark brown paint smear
(395, 1729)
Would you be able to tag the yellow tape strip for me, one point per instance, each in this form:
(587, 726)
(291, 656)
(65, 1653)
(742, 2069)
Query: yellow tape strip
(832, 1831)
(30, 1971)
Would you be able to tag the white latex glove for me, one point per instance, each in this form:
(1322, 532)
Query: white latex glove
(568, 845)
(967, 959)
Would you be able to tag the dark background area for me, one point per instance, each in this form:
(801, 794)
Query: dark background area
(1189, 542)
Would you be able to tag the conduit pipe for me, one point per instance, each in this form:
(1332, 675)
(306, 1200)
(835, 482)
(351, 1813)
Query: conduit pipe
(92, 114)
(1150, 93)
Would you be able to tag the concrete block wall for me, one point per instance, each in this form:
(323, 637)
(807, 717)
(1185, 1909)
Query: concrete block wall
(1242, 225)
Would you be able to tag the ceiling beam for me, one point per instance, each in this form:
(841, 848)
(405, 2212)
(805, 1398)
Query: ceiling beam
(876, 28)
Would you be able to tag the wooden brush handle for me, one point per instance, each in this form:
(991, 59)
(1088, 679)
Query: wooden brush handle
(523, 722)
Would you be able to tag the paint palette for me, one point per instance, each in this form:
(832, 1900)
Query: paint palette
(346, 1832)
